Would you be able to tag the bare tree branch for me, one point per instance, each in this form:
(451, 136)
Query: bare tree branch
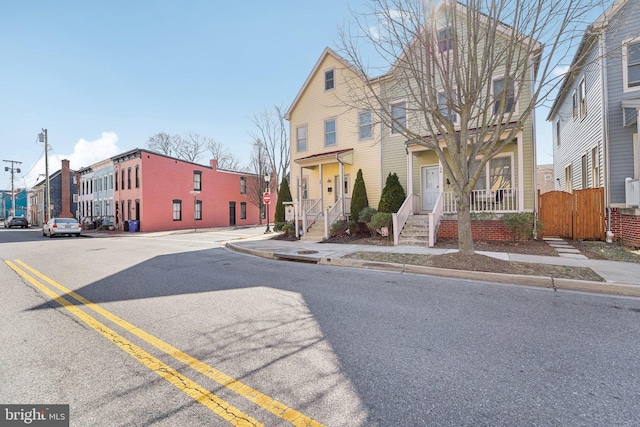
(272, 133)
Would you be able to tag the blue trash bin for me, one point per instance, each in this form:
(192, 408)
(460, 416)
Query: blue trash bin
(133, 225)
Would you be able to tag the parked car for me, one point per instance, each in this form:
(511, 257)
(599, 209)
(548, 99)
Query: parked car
(16, 221)
(58, 226)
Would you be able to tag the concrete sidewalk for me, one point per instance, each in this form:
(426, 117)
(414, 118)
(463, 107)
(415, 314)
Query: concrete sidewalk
(622, 278)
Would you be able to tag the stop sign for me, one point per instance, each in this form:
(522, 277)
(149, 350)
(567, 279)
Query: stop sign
(266, 198)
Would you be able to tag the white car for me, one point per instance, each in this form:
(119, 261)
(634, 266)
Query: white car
(57, 226)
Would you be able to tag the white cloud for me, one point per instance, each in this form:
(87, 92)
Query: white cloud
(374, 32)
(85, 153)
(561, 70)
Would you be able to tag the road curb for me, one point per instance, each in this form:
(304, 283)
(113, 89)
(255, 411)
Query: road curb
(516, 279)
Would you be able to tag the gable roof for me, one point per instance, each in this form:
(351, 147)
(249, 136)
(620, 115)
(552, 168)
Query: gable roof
(591, 34)
(326, 52)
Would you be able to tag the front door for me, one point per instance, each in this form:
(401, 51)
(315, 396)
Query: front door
(430, 187)
(232, 213)
(345, 187)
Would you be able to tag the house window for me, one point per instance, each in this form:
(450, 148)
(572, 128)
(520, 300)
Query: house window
(305, 187)
(496, 175)
(243, 210)
(443, 106)
(122, 182)
(582, 98)
(595, 168)
(301, 138)
(584, 171)
(558, 132)
(631, 61)
(129, 209)
(129, 179)
(197, 213)
(111, 182)
(499, 95)
(243, 185)
(568, 179)
(365, 121)
(328, 80)
(445, 39)
(575, 105)
(137, 176)
(330, 132)
(177, 210)
(197, 181)
(399, 117)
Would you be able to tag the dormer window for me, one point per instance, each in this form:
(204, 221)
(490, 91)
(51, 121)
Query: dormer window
(329, 82)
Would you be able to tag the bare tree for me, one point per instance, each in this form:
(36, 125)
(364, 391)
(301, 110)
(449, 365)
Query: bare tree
(444, 60)
(259, 166)
(272, 132)
(191, 147)
(164, 143)
(226, 159)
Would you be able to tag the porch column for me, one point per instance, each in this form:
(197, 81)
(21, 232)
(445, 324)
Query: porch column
(409, 173)
(342, 196)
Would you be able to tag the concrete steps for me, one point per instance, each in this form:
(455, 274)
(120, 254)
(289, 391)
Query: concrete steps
(415, 231)
(315, 232)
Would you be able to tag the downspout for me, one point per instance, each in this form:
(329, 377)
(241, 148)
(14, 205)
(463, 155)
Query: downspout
(605, 132)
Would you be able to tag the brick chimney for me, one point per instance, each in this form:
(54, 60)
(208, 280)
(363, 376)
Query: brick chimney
(65, 184)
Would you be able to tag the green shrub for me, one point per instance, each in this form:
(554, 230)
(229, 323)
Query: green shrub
(278, 226)
(393, 195)
(520, 225)
(289, 228)
(379, 220)
(352, 226)
(338, 228)
(366, 214)
(359, 198)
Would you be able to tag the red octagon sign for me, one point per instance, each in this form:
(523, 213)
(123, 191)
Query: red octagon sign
(266, 198)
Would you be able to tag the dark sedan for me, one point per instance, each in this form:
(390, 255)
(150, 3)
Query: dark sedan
(16, 221)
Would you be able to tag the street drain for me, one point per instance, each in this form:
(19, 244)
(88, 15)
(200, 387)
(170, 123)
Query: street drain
(307, 252)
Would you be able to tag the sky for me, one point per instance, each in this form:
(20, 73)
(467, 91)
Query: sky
(102, 77)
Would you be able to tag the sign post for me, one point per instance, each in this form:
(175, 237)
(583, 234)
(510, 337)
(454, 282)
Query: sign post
(266, 199)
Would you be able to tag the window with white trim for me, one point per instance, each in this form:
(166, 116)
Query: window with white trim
(595, 167)
(443, 106)
(365, 123)
(177, 210)
(568, 179)
(399, 116)
(558, 132)
(330, 133)
(574, 100)
(496, 175)
(582, 98)
(499, 95)
(301, 138)
(631, 64)
(445, 39)
(584, 171)
(329, 82)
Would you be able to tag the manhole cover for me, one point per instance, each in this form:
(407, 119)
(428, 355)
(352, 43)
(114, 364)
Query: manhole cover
(307, 252)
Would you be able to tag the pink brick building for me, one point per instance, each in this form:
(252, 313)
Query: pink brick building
(158, 191)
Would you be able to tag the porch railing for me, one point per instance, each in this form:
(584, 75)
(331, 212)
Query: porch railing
(434, 220)
(632, 192)
(335, 212)
(498, 201)
(400, 218)
(311, 211)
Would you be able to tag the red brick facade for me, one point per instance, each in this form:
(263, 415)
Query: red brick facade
(625, 228)
(65, 177)
(481, 230)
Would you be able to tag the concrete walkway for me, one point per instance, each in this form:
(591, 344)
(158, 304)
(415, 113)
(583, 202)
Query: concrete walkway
(621, 278)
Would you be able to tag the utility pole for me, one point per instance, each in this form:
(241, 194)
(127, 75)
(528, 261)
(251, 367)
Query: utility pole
(13, 193)
(42, 137)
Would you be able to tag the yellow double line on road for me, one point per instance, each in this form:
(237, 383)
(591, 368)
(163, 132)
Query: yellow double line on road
(222, 408)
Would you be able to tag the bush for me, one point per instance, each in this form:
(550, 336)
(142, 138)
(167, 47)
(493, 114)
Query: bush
(338, 228)
(352, 226)
(393, 195)
(379, 220)
(278, 226)
(359, 198)
(520, 225)
(289, 228)
(366, 214)
(284, 195)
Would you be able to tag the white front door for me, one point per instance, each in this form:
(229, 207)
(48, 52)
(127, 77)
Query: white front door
(430, 187)
(345, 188)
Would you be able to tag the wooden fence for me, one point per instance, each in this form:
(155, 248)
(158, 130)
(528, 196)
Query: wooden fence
(577, 215)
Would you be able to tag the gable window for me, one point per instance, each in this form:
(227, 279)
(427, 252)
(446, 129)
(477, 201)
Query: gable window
(558, 132)
(330, 132)
(328, 80)
(595, 168)
(631, 64)
(365, 121)
(197, 181)
(443, 106)
(197, 213)
(503, 92)
(445, 39)
(177, 210)
(399, 117)
(301, 138)
(582, 98)
(243, 210)
(243, 185)
(575, 105)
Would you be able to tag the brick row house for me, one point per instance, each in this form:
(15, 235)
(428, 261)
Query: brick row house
(62, 188)
(595, 119)
(331, 139)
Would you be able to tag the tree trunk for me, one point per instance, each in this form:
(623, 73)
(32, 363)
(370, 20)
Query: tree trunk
(465, 238)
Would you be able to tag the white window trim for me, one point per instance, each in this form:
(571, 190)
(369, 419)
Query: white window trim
(457, 120)
(444, 28)
(625, 68)
(335, 132)
(516, 90)
(574, 105)
(582, 112)
(595, 166)
(568, 184)
(298, 150)
(324, 82)
(487, 175)
(558, 131)
(406, 115)
(584, 170)
(360, 138)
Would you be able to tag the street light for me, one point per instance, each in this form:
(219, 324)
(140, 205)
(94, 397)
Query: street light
(267, 198)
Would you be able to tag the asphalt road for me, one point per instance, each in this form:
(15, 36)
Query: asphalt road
(181, 320)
